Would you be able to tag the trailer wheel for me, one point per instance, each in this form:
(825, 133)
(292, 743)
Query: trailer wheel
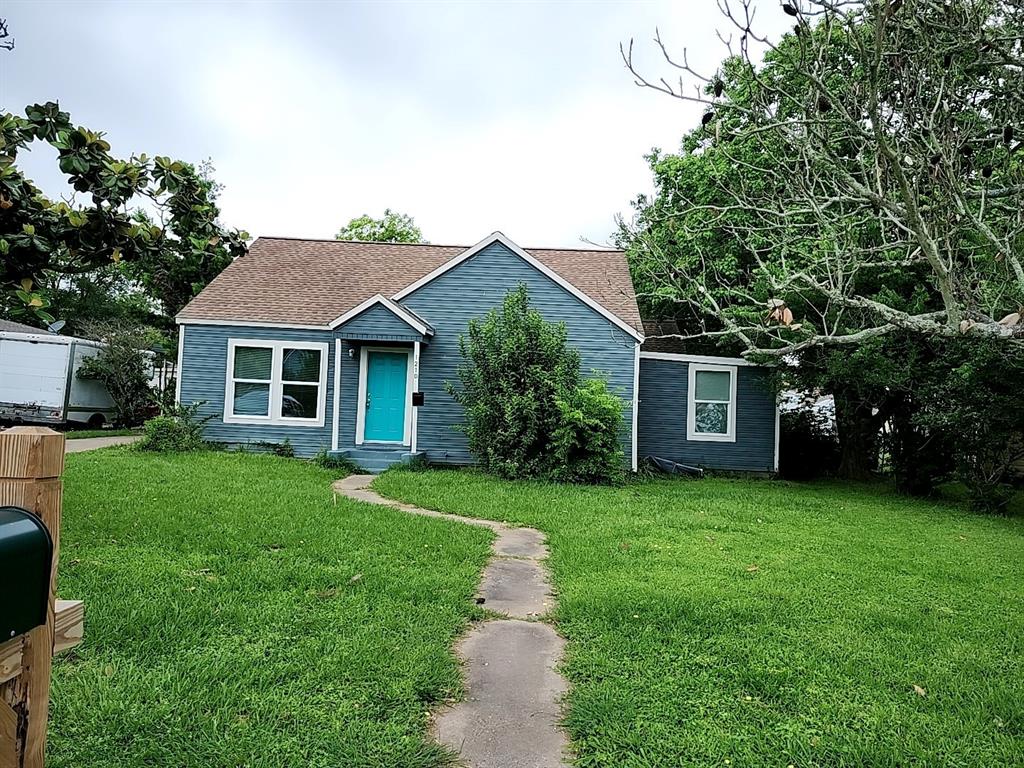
(96, 421)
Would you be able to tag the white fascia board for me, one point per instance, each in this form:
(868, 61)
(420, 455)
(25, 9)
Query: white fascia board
(706, 359)
(252, 323)
(393, 307)
(498, 237)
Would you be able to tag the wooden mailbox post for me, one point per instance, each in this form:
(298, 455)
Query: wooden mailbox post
(31, 464)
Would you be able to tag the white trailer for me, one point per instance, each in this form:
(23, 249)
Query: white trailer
(39, 381)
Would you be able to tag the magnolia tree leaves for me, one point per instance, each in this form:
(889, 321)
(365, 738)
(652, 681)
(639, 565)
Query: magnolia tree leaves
(98, 224)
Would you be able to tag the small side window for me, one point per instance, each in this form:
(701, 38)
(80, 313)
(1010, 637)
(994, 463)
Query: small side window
(711, 406)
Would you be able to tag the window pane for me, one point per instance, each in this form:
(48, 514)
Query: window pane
(713, 385)
(253, 362)
(301, 365)
(711, 418)
(299, 401)
(252, 400)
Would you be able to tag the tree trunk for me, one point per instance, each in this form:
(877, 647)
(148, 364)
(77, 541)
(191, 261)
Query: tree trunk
(857, 426)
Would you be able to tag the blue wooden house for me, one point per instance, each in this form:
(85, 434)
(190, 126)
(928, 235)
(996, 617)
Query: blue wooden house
(347, 347)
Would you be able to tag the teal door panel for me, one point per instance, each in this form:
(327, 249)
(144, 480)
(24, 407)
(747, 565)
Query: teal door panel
(386, 377)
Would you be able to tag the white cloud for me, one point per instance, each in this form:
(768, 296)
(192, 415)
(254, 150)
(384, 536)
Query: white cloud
(470, 117)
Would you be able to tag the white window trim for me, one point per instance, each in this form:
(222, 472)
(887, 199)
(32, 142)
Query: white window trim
(336, 410)
(361, 401)
(414, 426)
(691, 404)
(177, 371)
(276, 384)
(634, 461)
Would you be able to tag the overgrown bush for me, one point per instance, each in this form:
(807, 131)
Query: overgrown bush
(975, 402)
(122, 365)
(808, 445)
(285, 449)
(334, 462)
(179, 428)
(521, 387)
(586, 442)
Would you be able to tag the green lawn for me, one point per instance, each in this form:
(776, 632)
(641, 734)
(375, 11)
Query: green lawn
(237, 616)
(79, 434)
(748, 623)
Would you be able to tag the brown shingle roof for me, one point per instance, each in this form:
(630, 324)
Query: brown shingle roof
(313, 282)
(9, 326)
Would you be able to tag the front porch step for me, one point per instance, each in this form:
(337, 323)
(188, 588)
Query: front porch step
(376, 460)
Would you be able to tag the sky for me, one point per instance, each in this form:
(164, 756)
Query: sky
(471, 117)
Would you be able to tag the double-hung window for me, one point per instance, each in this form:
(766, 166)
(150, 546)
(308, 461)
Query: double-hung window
(276, 382)
(711, 410)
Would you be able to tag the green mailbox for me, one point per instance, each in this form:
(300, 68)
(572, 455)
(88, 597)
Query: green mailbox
(26, 551)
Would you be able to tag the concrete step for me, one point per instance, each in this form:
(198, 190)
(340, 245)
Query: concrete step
(375, 466)
(376, 453)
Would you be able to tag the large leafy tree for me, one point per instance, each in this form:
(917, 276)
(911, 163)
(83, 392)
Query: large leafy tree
(392, 227)
(877, 143)
(49, 245)
(702, 251)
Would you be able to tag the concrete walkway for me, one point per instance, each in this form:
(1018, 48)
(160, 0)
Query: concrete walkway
(513, 688)
(92, 443)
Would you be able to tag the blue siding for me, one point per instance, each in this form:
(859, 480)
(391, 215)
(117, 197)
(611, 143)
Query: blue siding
(661, 426)
(378, 324)
(203, 375)
(470, 290)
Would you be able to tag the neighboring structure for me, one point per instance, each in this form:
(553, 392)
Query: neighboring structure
(39, 381)
(347, 347)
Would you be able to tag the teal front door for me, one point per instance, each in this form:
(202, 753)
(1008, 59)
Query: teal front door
(386, 376)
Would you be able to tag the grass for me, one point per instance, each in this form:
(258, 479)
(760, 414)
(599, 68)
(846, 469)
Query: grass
(753, 623)
(78, 434)
(237, 616)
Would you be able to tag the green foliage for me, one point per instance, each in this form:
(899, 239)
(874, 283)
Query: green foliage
(973, 400)
(123, 366)
(586, 442)
(392, 227)
(178, 430)
(770, 190)
(515, 366)
(340, 464)
(45, 244)
(284, 449)
(526, 414)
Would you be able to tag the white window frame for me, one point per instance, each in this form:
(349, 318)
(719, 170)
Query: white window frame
(276, 383)
(691, 404)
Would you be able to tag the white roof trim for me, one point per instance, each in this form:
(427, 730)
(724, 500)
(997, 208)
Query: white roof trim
(702, 359)
(498, 237)
(251, 323)
(393, 307)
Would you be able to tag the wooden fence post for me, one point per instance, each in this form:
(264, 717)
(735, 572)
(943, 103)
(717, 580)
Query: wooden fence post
(31, 464)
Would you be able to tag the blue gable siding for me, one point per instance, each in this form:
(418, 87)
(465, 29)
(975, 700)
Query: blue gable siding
(661, 427)
(469, 291)
(378, 324)
(203, 375)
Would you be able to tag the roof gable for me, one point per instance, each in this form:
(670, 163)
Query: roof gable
(286, 282)
(498, 237)
(404, 314)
